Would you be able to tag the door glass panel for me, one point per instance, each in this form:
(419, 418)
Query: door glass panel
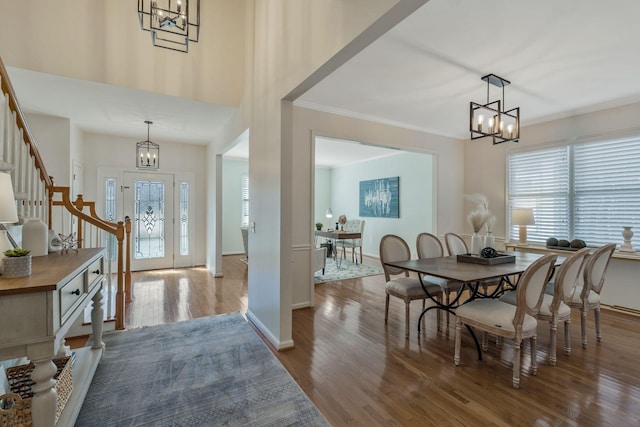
(149, 219)
(184, 218)
(110, 214)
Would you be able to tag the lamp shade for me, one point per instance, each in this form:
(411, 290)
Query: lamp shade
(329, 213)
(8, 211)
(522, 217)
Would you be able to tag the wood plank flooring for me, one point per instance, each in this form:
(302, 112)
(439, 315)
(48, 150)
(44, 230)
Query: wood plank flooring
(359, 371)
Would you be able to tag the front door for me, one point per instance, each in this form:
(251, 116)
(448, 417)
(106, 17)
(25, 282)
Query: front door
(148, 201)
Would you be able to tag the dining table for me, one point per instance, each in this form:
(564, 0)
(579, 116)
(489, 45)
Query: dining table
(471, 275)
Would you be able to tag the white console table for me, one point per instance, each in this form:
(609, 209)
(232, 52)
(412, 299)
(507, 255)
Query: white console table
(37, 311)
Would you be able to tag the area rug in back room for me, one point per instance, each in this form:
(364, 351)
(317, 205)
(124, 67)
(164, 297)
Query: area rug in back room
(203, 372)
(347, 270)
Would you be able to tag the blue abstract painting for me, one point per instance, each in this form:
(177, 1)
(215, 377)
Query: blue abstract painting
(379, 198)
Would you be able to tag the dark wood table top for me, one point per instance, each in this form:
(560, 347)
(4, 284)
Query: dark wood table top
(451, 269)
(337, 234)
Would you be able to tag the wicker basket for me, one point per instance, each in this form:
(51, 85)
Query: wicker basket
(20, 383)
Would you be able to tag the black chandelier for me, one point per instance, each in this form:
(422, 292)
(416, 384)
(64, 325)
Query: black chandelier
(147, 153)
(172, 23)
(502, 126)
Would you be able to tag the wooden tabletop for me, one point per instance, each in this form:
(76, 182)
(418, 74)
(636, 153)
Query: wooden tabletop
(451, 269)
(47, 271)
(338, 234)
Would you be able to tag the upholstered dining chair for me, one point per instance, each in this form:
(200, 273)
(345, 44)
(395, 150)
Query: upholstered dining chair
(455, 244)
(554, 307)
(394, 248)
(353, 226)
(515, 322)
(429, 246)
(587, 296)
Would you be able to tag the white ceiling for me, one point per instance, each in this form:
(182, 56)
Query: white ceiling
(562, 58)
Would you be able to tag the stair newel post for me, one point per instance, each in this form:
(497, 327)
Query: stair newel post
(127, 275)
(120, 292)
(79, 204)
(50, 202)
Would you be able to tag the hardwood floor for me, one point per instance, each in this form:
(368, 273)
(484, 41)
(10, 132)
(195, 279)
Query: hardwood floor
(359, 371)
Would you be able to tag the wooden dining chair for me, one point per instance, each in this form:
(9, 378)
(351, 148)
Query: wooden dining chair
(455, 244)
(555, 307)
(394, 248)
(429, 246)
(515, 322)
(587, 296)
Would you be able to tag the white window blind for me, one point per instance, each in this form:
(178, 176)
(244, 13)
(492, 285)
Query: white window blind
(245, 201)
(582, 191)
(607, 190)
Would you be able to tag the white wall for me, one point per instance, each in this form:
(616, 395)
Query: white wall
(95, 49)
(109, 153)
(53, 139)
(416, 195)
(322, 196)
(232, 171)
(448, 175)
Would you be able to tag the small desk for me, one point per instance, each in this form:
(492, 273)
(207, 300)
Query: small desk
(338, 235)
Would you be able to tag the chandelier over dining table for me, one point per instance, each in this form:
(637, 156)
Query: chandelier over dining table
(490, 120)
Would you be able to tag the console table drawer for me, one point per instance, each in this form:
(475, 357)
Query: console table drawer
(95, 271)
(70, 295)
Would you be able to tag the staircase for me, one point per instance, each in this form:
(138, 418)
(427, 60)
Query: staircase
(38, 197)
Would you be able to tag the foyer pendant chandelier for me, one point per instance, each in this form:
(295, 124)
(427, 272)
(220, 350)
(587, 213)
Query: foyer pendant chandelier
(490, 120)
(172, 23)
(147, 153)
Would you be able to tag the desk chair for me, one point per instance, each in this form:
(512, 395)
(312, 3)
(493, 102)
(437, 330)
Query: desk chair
(394, 248)
(515, 322)
(353, 226)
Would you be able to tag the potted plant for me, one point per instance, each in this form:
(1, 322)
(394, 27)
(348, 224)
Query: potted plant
(318, 226)
(17, 263)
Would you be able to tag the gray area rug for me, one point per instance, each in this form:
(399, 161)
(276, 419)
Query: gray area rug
(212, 371)
(347, 270)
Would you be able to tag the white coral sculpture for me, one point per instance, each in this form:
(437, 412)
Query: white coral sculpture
(479, 216)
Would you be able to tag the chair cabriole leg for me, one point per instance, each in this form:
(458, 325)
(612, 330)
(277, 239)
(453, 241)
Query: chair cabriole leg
(596, 313)
(516, 363)
(456, 356)
(567, 338)
(583, 324)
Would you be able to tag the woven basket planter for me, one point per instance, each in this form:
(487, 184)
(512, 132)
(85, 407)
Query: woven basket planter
(16, 267)
(20, 394)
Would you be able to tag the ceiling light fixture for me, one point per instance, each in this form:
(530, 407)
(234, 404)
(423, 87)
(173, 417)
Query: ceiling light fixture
(502, 126)
(172, 23)
(147, 153)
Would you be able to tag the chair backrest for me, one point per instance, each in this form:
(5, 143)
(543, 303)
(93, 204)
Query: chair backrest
(455, 244)
(595, 268)
(355, 226)
(393, 248)
(529, 292)
(567, 278)
(429, 246)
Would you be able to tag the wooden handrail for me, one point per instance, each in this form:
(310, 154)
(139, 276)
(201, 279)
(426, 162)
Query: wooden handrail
(22, 124)
(74, 208)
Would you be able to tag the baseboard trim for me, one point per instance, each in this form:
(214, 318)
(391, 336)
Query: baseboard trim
(621, 309)
(279, 345)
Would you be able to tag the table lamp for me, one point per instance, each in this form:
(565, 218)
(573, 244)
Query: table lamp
(8, 211)
(522, 217)
(329, 213)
